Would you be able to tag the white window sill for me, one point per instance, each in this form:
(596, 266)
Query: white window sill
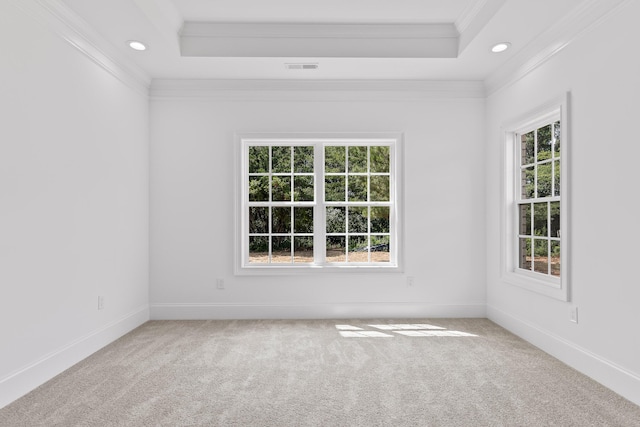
(286, 270)
(551, 287)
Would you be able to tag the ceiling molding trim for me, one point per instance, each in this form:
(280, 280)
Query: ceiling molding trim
(314, 90)
(468, 15)
(165, 17)
(474, 19)
(551, 42)
(69, 26)
(318, 40)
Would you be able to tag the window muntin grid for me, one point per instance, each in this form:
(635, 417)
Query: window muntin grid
(291, 206)
(280, 196)
(357, 200)
(538, 200)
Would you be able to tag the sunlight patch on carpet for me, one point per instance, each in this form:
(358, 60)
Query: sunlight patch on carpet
(404, 329)
(434, 334)
(403, 326)
(347, 328)
(364, 334)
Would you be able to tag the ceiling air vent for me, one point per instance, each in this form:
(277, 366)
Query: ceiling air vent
(302, 66)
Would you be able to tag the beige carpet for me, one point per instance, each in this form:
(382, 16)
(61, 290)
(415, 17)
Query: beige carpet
(429, 372)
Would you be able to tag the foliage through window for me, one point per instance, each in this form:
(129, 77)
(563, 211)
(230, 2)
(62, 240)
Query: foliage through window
(538, 203)
(357, 203)
(534, 224)
(319, 203)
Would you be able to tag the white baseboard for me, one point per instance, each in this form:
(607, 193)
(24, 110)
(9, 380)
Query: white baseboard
(314, 311)
(22, 381)
(607, 373)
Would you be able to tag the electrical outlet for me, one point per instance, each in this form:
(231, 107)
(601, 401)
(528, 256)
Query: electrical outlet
(220, 283)
(410, 281)
(100, 302)
(573, 314)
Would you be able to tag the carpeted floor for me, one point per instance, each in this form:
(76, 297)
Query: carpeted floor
(429, 372)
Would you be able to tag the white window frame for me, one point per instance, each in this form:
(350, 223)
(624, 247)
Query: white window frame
(552, 286)
(244, 140)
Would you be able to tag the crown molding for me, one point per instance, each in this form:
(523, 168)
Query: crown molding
(474, 18)
(319, 40)
(468, 15)
(551, 42)
(69, 26)
(165, 17)
(314, 90)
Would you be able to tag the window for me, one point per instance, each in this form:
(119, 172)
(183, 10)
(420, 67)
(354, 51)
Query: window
(538, 201)
(535, 226)
(310, 203)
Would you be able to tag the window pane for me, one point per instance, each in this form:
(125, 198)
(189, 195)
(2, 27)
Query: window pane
(258, 159)
(303, 159)
(280, 159)
(540, 219)
(358, 219)
(555, 219)
(528, 148)
(282, 181)
(380, 249)
(303, 249)
(380, 188)
(281, 249)
(258, 188)
(281, 188)
(336, 219)
(258, 219)
(380, 219)
(334, 188)
(544, 143)
(258, 249)
(528, 183)
(380, 159)
(303, 189)
(334, 159)
(556, 178)
(336, 249)
(544, 180)
(525, 219)
(357, 159)
(541, 256)
(281, 220)
(555, 258)
(357, 188)
(538, 222)
(303, 220)
(524, 254)
(556, 134)
(358, 249)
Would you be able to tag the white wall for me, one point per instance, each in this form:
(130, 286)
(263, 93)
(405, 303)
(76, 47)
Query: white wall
(73, 204)
(600, 70)
(74, 215)
(192, 210)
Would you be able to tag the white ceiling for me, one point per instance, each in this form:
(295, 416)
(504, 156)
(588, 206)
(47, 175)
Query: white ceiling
(480, 24)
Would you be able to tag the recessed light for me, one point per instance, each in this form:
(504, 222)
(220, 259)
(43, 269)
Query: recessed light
(136, 45)
(500, 47)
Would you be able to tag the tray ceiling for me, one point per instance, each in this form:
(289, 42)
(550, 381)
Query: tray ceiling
(348, 40)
